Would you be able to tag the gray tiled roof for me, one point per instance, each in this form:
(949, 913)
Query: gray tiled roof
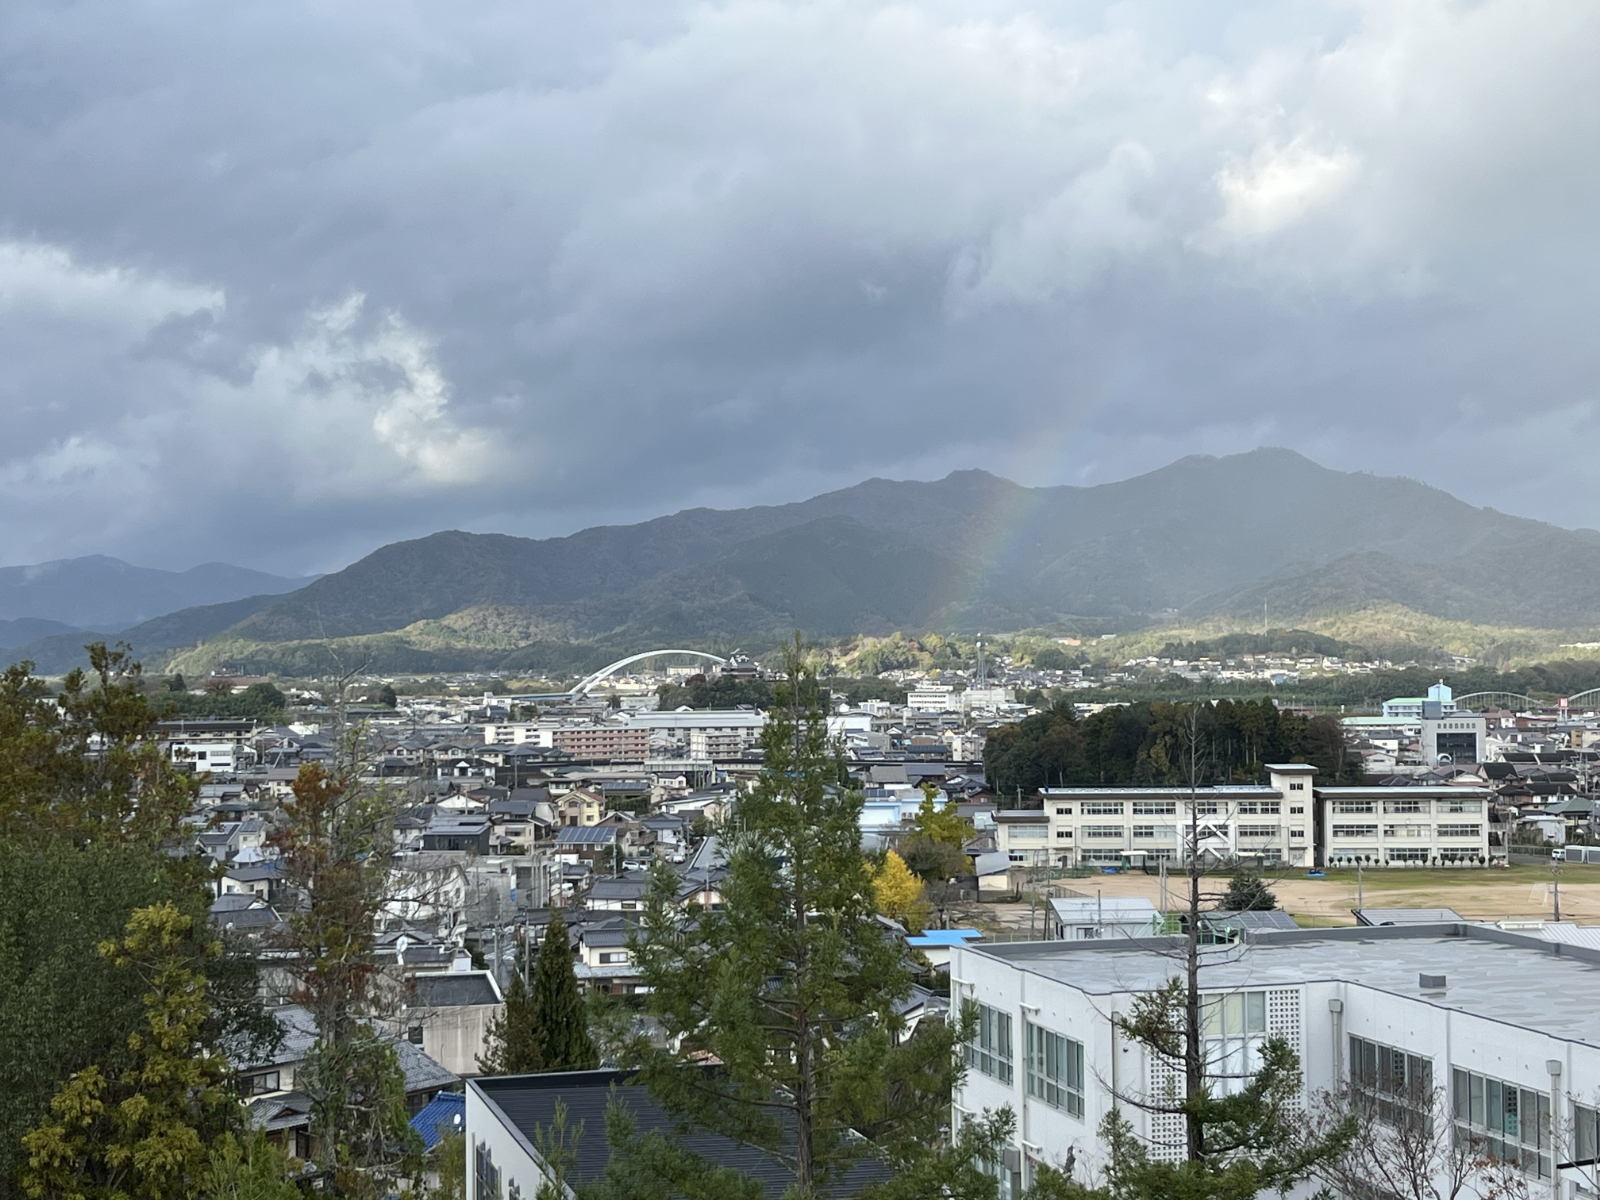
(528, 1103)
(452, 989)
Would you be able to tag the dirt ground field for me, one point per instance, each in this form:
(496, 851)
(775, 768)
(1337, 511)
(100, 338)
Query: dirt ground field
(1477, 893)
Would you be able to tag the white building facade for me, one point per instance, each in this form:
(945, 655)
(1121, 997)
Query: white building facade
(1517, 1069)
(1406, 826)
(1272, 824)
(1287, 822)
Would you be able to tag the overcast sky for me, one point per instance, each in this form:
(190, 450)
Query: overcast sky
(280, 282)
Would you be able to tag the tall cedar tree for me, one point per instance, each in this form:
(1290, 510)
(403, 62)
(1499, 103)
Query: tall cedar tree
(791, 986)
(511, 1041)
(144, 1132)
(333, 854)
(560, 1018)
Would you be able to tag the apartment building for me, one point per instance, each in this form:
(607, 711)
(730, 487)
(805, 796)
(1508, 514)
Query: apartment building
(714, 743)
(1405, 826)
(1436, 1017)
(603, 742)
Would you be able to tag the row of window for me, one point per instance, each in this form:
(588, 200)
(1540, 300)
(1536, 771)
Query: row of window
(1510, 1122)
(1234, 1026)
(1165, 833)
(1398, 1084)
(1169, 808)
(1053, 1063)
(1408, 806)
(1407, 831)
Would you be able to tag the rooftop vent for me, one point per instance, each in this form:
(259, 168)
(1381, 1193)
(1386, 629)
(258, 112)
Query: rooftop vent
(1431, 983)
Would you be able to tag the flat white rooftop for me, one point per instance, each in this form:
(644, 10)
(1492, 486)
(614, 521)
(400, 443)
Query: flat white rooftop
(1510, 977)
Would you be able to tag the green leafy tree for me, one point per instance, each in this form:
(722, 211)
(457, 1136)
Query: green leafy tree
(450, 1168)
(791, 985)
(560, 1017)
(258, 702)
(1052, 658)
(511, 1042)
(942, 824)
(86, 764)
(1043, 750)
(388, 697)
(89, 807)
(142, 1132)
(1248, 892)
(247, 1167)
(935, 861)
(1141, 744)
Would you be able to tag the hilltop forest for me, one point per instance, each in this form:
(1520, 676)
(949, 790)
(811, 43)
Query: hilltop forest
(1148, 744)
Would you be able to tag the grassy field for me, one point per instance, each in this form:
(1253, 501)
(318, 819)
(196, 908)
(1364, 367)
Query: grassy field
(1428, 879)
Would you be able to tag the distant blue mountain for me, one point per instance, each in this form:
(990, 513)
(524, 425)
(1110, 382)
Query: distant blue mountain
(108, 594)
(23, 630)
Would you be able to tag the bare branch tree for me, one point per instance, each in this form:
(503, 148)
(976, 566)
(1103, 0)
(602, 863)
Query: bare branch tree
(1407, 1147)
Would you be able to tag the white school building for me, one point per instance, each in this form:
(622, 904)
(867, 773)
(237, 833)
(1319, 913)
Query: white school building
(1287, 821)
(1504, 1023)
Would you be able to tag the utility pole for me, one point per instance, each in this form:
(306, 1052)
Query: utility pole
(1555, 874)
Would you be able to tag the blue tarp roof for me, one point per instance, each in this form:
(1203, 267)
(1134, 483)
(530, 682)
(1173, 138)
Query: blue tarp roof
(945, 937)
(446, 1113)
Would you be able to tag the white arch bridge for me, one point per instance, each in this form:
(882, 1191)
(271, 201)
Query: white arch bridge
(610, 669)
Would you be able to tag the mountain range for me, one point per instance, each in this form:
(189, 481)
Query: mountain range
(101, 593)
(1203, 537)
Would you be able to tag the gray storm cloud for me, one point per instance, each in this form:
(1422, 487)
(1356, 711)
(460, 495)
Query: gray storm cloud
(297, 279)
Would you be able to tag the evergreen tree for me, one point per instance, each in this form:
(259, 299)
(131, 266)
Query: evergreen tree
(791, 986)
(89, 808)
(248, 1168)
(512, 1044)
(333, 853)
(145, 1131)
(1247, 892)
(560, 1018)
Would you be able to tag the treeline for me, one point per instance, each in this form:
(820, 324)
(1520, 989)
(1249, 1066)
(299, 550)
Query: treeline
(1148, 744)
(1542, 681)
(1273, 641)
(259, 702)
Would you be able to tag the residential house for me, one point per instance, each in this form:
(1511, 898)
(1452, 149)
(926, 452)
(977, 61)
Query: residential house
(283, 1112)
(447, 1015)
(580, 806)
(627, 893)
